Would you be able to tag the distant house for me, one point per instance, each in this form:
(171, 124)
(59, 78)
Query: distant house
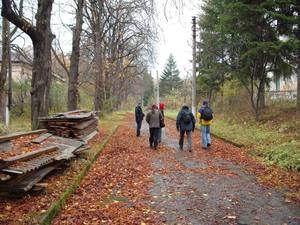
(283, 88)
(22, 67)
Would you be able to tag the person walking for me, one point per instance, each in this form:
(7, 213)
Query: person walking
(205, 118)
(185, 123)
(162, 124)
(154, 119)
(139, 116)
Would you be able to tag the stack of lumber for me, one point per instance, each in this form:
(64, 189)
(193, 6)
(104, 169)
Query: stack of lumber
(78, 124)
(27, 157)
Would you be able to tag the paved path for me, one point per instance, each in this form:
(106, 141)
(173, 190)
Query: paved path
(132, 184)
(196, 188)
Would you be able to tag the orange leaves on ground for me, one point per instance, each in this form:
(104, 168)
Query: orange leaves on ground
(115, 191)
(28, 209)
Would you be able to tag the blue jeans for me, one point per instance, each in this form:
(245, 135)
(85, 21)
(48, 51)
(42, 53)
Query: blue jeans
(189, 138)
(205, 132)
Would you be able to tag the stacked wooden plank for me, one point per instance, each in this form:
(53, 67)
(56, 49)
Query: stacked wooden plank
(74, 124)
(27, 157)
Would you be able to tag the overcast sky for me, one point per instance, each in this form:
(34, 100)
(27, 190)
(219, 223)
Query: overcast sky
(175, 35)
(174, 27)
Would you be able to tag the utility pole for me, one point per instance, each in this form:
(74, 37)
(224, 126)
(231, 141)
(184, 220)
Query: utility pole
(194, 104)
(157, 88)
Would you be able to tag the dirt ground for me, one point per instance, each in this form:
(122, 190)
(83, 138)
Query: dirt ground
(133, 184)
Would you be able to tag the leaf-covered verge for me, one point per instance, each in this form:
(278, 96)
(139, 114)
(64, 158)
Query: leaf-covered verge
(32, 209)
(115, 190)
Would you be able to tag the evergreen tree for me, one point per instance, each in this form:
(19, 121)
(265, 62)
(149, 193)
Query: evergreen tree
(170, 79)
(287, 16)
(241, 40)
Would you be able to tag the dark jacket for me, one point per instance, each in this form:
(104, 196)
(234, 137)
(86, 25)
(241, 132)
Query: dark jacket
(139, 115)
(180, 124)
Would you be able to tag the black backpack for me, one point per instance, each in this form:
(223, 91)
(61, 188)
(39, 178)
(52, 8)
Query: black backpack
(207, 114)
(187, 118)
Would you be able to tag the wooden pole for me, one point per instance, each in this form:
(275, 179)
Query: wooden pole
(157, 88)
(194, 104)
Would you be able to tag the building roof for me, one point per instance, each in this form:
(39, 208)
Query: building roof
(17, 57)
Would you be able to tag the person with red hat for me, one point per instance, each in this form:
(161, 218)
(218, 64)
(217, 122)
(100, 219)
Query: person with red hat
(161, 109)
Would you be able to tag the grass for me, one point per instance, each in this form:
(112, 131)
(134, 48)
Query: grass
(21, 123)
(276, 139)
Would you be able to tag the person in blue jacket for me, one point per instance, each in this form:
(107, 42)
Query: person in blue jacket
(185, 124)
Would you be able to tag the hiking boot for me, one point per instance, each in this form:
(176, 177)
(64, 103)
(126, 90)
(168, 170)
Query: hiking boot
(208, 145)
(190, 149)
(181, 148)
(205, 148)
(155, 147)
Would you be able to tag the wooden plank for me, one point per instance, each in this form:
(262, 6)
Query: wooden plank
(85, 124)
(29, 155)
(66, 141)
(6, 146)
(41, 138)
(19, 134)
(81, 150)
(29, 181)
(90, 136)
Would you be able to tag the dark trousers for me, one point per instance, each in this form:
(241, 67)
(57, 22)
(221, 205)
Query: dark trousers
(159, 134)
(189, 138)
(153, 139)
(138, 128)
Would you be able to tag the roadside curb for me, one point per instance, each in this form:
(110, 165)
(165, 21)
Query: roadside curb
(217, 136)
(57, 206)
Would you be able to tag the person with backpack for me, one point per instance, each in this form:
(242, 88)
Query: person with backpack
(205, 117)
(154, 119)
(139, 116)
(185, 124)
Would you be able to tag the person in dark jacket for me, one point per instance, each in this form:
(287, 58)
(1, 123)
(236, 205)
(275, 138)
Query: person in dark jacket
(139, 116)
(185, 123)
(154, 118)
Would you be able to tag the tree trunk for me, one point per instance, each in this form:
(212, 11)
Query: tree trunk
(40, 85)
(98, 100)
(42, 63)
(4, 64)
(73, 93)
(9, 89)
(298, 83)
(41, 37)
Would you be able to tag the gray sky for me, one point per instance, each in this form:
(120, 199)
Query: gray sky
(175, 35)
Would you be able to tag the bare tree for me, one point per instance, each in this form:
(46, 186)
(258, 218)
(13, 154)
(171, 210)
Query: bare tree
(4, 65)
(41, 36)
(74, 66)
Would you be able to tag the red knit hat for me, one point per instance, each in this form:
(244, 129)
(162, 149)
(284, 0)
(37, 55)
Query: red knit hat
(162, 105)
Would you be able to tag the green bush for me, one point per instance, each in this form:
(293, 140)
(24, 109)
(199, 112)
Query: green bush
(58, 97)
(286, 155)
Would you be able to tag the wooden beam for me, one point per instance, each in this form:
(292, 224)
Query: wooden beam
(29, 155)
(19, 134)
(41, 138)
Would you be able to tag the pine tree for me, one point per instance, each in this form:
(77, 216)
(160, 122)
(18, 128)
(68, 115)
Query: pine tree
(170, 79)
(240, 39)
